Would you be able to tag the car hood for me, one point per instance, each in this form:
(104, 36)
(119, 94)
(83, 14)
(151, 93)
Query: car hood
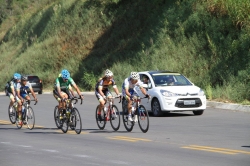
(182, 90)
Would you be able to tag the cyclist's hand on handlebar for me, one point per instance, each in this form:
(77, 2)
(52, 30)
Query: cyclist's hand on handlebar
(147, 96)
(81, 96)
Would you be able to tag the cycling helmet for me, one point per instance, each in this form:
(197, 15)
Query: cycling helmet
(134, 75)
(65, 74)
(24, 78)
(17, 76)
(108, 73)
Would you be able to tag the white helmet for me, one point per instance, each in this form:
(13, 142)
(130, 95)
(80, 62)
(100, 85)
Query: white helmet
(134, 75)
(108, 73)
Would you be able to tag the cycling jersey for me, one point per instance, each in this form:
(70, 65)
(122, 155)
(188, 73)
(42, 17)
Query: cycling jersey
(127, 84)
(23, 89)
(105, 84)
(12, 84)
(64, 84)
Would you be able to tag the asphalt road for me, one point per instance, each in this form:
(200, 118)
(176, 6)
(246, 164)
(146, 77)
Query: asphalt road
(218, 137)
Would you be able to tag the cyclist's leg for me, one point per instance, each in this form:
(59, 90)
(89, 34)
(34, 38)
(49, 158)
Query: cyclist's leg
(12, 100)
(101, 101)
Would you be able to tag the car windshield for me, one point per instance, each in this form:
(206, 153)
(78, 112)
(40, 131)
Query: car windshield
(33, 79)
(170, 79)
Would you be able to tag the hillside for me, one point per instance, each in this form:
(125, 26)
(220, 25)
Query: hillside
(206, 40)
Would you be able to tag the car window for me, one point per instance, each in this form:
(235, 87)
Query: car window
(170, 79)
(146, 80)
(33, 79)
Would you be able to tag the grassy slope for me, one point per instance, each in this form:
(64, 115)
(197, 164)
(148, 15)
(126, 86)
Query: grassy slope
(208, 41)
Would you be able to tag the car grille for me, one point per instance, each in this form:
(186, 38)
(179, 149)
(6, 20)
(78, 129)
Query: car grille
(180, 103)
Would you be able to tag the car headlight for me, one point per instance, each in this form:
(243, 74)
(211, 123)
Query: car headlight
(168, 93)
(201, 93)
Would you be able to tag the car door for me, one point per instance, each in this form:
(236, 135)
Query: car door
(145, 102)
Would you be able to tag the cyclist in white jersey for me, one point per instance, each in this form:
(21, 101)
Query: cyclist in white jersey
(128, 91)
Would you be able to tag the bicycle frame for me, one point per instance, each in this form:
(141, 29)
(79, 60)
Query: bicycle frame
(109, 100)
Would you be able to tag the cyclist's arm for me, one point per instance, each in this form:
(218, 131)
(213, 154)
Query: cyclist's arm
(143, 91)
(18, 95)
(100, 91)
(77, 89)
(13, 91)
(127, 92)
(33, 94)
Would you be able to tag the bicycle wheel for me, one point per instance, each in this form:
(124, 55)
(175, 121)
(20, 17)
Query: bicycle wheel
(57, 117)
(76, 121)
(64, 124)
(100, 122)
(127, 124)
(114, 118)
(12, 115)
(143, 119)
(19, 126)
(30, 118)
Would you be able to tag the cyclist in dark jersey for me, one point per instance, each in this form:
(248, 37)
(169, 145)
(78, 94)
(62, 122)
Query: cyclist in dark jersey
(102, 90)
(61, 88)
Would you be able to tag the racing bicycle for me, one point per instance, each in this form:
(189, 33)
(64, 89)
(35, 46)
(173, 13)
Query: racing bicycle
(28, 116)
(110, 113)
(140, 111)
(70, 116)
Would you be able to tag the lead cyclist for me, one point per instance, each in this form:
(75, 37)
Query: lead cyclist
(129, 94)
(62, 89)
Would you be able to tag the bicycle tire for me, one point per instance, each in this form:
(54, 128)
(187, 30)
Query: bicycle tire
(12, 116)
(56, 117)
(76, 120)
(143, 119)
(127, 124)
(30, 118)
(114, 115)
(64, 124)
(100, 123)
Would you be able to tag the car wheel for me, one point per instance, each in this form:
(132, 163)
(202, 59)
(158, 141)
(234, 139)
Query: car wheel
(156, 108)
(40, 92)
(198, 112)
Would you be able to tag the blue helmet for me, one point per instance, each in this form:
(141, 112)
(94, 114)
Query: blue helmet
(65, 74)
(17, 76)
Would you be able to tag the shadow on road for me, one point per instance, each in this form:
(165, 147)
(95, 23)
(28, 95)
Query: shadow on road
(245, 146)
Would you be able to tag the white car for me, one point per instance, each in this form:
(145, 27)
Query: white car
(172, 92)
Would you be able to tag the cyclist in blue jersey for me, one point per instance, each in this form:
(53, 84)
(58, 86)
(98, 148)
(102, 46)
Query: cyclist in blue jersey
(22, 93)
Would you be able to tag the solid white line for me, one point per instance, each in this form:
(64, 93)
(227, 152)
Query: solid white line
(83, 156)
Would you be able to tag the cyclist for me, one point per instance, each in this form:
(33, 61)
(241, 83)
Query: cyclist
(61, 89)
(102, 90)
(22, 94)
(128, 91)
(12, 90)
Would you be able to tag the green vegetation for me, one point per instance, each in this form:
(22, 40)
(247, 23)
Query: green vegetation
(206, 40)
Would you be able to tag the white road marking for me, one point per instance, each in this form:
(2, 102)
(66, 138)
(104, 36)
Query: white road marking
(52, 151)
(25, 146)
(5, 142)
(83, 156)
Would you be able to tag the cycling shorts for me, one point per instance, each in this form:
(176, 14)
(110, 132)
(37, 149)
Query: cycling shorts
(56, 95)
(99, 97)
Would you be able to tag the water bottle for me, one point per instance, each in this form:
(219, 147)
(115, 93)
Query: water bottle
(23, 109)
(68, 112)
(133, 109)
(105, 109)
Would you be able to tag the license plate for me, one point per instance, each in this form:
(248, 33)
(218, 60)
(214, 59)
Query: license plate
(189, 102)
